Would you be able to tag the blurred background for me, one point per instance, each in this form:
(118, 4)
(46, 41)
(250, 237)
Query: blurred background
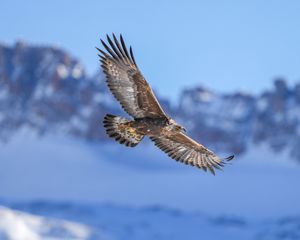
(228, 71)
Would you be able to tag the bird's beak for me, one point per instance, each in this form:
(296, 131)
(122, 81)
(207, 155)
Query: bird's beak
(184, 129)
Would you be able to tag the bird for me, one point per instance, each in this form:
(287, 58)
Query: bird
(128, 85)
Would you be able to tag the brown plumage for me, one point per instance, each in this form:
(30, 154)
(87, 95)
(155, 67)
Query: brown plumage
(130, 88)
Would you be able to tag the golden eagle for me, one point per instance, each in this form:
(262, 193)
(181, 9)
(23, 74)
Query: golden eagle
(130, 88)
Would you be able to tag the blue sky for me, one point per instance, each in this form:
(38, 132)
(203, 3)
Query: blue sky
(224, 45)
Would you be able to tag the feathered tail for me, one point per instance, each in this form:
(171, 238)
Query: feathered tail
(121, 130)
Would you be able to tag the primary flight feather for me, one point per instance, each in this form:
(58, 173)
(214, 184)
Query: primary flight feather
(136, 97)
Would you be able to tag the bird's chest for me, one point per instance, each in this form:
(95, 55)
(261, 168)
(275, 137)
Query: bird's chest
(151, 126)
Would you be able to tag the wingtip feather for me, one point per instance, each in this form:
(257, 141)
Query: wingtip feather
(229, 158)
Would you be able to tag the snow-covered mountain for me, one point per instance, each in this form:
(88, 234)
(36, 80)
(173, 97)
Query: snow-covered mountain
(232, 122)
(46, 89)
(17, 225)
(109, 222)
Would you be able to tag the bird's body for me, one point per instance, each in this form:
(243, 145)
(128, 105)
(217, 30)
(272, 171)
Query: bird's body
(130, 88)
(151, 126)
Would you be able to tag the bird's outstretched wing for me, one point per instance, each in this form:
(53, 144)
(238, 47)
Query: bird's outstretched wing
(184, 149)
(126, 82)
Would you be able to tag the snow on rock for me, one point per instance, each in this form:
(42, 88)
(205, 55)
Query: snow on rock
(17, 225)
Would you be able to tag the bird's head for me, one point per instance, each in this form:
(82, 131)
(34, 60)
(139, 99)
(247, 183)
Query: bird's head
(175, 126)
